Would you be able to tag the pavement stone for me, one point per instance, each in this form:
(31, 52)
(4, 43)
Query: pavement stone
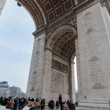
(3, 108)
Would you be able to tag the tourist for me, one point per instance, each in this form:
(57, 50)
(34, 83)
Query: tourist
(31, 105)
(42, 104)
(65, 106)
(11, 103)
(57, 105)
(24, 102)
(68, 102)
(37, 99)
(16, 102)
(1, 100)
(5, 101)
(51, 104)
(34, 106)
(8, 104)
(28, 106)
(72, 106)
(76, 104)
(32, 100)
(21, 102)
(61, 104)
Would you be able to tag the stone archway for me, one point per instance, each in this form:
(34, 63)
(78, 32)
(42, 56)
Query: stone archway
(55, 58)
(62, 45)
(55, 43)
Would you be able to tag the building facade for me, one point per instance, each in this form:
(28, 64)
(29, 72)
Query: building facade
(65, 29)
(2, 3)
(6, 91)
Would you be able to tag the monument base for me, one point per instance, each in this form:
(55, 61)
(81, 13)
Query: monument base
(94, 105)
(92, 108)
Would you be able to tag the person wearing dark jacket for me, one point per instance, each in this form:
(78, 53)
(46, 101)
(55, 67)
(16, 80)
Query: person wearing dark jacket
(57, 105)
(69, 103)
(1, 100)
(34, 106)
(51, 104)
(72, 106)
(42, 104)
(16, 102)
(37, 99)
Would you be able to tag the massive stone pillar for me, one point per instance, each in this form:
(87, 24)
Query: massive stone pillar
(34, 88)
(46, 81)
(78, 68)
(72, 83)
(40, 70)
(93, 58)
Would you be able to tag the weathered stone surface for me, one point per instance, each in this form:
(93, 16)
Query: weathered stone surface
(88, 37)
(94, 55)
(36, 69)
(60, 80)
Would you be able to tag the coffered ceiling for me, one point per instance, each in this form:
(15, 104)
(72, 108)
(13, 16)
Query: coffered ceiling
(64, 45)
(55, 8)
(47, 11)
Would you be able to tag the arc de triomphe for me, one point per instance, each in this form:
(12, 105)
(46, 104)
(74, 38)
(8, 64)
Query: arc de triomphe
(65, 29)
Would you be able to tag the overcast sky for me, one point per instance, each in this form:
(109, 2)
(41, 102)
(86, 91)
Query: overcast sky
(16, 43)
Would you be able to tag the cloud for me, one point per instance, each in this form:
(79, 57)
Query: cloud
(15, 73)
(16, 15)
(16, 43)
(16, 46)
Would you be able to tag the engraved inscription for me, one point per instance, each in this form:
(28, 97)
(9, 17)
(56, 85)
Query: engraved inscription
(98, 86)
(96, 72)
(94, 62)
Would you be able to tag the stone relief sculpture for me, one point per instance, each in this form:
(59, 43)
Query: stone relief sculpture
(59, 66)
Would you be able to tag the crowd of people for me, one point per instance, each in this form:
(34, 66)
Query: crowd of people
(35, 104)
(62, 105)
(13, 103)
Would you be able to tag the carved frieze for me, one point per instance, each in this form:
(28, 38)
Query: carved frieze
(59, 66)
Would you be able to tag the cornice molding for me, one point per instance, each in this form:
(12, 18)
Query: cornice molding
(84, 5)
(39, 32)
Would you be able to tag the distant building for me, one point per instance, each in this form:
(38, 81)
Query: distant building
(4, 84)
(16, 92)
(7, 91)
(2, 3)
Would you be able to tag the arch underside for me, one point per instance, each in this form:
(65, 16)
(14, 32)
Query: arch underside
(62, 41)
(34, 11)
(45, 12)
(64, 45)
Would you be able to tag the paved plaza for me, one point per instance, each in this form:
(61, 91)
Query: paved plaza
(3, 108)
